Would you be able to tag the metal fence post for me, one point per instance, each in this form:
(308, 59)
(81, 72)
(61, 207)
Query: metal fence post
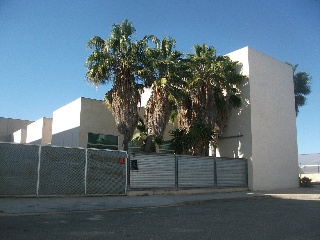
(247, 177)
(215, 177)
(128, 172)
(85, 173)
(38, 178)
(176, 172)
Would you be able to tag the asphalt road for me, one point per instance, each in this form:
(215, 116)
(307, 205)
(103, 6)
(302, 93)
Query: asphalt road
(266, 218)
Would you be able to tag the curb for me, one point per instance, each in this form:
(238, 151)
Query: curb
(149, 192)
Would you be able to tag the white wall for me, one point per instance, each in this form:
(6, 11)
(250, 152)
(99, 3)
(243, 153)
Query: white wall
(236, 139)
(34, 132)
(20, 136)
(267, 122)
(145, 96)
(73, 122)
(273, 123)
(315, 177)
(39, 132)
(66, 125)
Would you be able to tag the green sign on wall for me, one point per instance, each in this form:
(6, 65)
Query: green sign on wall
(102, 141)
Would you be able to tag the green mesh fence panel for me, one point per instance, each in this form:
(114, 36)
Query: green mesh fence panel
(106, 172)
(18, 169)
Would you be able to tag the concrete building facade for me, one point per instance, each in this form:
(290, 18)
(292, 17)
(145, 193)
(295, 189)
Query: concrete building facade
(263, 130)
(73, 122)
(40, 131)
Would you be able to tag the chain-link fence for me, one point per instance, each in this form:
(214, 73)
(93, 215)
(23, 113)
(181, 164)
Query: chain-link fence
(47, 170)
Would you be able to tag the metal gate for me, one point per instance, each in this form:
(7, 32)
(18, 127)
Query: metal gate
(175, 171)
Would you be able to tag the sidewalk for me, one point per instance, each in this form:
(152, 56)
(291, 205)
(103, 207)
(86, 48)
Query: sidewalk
(141, 199)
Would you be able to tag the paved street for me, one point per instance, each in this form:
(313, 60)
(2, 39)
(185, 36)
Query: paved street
(282, 214)
(234, 219)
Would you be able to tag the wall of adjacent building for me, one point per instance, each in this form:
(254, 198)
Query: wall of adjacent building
(8, 126)
(66, 125)
(40, 131)
(20, 136)
(96, 118)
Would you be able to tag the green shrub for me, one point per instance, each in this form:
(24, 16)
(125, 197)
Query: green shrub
(305, 182)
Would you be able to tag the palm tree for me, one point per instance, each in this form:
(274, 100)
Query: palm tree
(227, 95)
(301, 82)
(212, 91)
(164, 63)
(117, 60)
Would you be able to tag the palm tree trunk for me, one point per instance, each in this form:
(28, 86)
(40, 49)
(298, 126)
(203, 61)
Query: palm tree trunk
(148, 144)
(157, 114)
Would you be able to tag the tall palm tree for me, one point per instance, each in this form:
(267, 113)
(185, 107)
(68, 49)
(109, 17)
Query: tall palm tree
(164, 64)
(211, 92)
(117, 60)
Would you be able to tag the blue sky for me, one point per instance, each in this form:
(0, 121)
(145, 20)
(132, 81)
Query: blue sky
(43, 45)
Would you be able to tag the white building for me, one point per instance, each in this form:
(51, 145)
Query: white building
(39, 132)
(74, 122)
(263, 130)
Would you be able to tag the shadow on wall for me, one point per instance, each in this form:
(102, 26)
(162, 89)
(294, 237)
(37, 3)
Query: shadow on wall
(68, 138)
(235, 141)
(7, 138)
